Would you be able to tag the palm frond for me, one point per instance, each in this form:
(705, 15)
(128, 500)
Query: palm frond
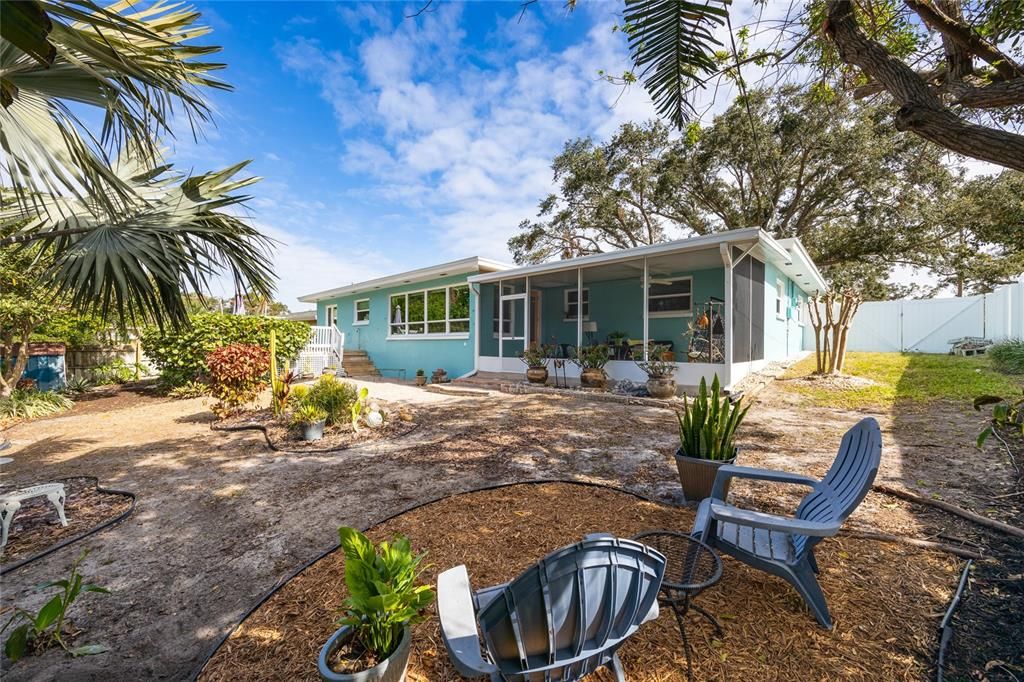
(174, 237)
(672, 45)
(140, 68)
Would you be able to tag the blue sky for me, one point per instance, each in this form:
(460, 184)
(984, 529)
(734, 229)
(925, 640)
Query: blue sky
(388, 143)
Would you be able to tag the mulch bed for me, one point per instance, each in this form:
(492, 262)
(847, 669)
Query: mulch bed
(399, 421)
(886, 600)
(36, 527)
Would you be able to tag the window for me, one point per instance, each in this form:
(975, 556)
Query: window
(362, 311)
(331, 315)
(572, 306)
(429, 313)
(670, 298)
(780, 299)
(508, 319)
(798, 313)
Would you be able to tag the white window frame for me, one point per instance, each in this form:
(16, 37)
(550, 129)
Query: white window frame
(799, 310)
(331, 315)
(670, 313)
(356, 322)
(447, 334)
(780, 299)
(585, 303)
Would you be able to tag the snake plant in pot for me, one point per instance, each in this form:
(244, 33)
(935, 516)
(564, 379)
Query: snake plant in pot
(375, 639)
(707, 426)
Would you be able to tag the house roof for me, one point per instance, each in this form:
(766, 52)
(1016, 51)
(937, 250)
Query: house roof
(788, 255)
(301, 316)
(455, 267)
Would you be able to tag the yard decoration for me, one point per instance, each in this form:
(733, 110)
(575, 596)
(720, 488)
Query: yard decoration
(831, 327)
(591, 361)
(310, 419)
(707, 426)
(660, 371)
(375, 639)
(237, 375)
(45, 628)
(536, 360)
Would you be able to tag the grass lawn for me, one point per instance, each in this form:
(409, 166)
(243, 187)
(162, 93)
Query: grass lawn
(905, 376)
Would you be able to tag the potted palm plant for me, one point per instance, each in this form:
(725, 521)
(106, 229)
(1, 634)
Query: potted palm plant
(706, 429)
(310, 420)
(591, 361)
(661, 382)
(384, 599)
(536, 359)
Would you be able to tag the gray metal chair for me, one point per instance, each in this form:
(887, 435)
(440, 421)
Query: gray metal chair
(784, 546)
(563, 618)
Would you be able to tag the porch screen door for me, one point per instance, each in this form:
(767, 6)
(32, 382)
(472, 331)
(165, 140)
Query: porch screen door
(747, 309)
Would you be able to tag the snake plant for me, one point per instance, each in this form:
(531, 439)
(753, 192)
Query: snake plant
(707, 425)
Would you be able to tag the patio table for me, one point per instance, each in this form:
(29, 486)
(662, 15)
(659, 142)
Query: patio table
(691, 568)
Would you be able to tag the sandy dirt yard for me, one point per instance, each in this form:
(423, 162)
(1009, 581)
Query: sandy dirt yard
(221, 519)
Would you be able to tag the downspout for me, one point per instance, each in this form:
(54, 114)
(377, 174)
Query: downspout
(474, 290)
(647, 313)
(727, 313)
(579, 308)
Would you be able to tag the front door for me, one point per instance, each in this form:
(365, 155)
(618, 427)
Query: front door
(536, 335)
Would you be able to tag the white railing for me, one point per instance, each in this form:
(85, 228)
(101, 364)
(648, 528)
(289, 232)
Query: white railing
(325, 348)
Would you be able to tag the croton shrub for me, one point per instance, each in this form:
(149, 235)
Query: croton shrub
(181, 355)
(238, 373)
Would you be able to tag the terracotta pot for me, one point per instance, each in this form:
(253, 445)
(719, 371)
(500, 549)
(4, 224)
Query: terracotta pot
(391, 669)
(593, 378)
(669, 356)
(537, 375)
(421, 379)
(697, 476)
(661, 387)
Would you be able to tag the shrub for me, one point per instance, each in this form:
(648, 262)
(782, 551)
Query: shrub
(181, 355)
(708, 423)
(280, 389)
(307, 414)
(1008, 356)
(189, 389)
(383, 594)
(237, 375)
(30, 404)
(77, 385)
(297, 396)
(333, 397)
(591, 357)
(117, 371)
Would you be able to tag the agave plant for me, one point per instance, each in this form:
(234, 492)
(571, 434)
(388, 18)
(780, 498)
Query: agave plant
(708, 423)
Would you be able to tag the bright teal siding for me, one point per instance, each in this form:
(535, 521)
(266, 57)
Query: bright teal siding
(409, 353)
(782, 337)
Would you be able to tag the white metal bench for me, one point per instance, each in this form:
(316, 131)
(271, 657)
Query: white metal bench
(10, 503)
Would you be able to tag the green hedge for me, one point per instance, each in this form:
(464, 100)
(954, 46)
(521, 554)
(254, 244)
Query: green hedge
(1008, 356)
(181, 355)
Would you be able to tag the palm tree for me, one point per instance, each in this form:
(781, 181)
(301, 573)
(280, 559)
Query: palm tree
(123, 233)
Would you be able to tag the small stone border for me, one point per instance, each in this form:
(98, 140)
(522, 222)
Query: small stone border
(577, 392)
(319, 451)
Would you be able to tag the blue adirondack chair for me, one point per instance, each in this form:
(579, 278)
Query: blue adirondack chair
(784, 546)
(563, 618)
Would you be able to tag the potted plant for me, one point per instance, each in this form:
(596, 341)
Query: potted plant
(591, 361)
(661, 382)
(421, 377)
(309, 419)
(706, 429)
(439, 376)
(374, 641)
(536, 360)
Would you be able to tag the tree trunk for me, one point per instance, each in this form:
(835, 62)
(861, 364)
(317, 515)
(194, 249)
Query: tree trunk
(9, 378)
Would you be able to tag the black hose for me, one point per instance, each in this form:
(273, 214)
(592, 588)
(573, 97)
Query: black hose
(81, 536)
(284, 581)
(945, 627)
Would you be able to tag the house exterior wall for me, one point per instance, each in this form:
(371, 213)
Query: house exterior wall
(783, 334)
(411, 352)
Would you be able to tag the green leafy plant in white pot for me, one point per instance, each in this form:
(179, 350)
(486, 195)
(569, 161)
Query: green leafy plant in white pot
(375, 639)
(310, 420)
(707, 426)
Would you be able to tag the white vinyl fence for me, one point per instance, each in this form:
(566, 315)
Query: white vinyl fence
(928, 325)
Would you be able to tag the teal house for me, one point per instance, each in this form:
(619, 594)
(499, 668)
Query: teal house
(725, 303)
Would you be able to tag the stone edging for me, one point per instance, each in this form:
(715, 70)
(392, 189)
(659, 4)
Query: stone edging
(524, 388)
(320, 451)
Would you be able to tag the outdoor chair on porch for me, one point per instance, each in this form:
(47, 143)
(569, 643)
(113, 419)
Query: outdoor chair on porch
(561, 619)
(784, 546)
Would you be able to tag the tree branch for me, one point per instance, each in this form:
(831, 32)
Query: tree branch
(921, 111)
(965, 36)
